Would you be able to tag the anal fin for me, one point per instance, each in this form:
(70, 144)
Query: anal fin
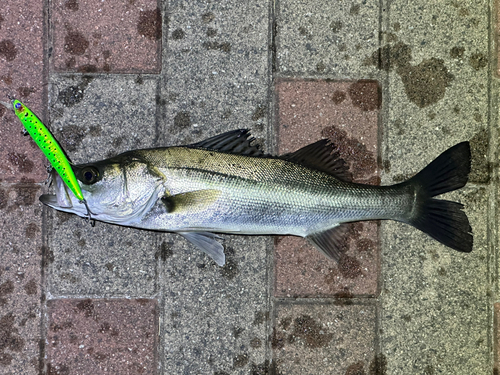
(330, 242)
(206, 242)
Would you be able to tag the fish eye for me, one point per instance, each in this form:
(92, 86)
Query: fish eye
(89, 175)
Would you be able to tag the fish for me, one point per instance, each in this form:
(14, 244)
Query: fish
(228, 185)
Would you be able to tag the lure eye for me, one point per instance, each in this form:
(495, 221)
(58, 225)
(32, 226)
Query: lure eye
(18, 105)
(89, 175)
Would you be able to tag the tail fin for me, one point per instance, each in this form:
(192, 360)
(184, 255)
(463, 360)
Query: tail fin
(443, 220)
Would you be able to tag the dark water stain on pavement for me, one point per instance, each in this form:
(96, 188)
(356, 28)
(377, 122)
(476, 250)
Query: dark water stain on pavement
(9, 339)
(362, 163)
(481, 167)
(74, 94)
(478, 61)
(8, 49)
(149, 24)
(366, 95)
(75, 43)
(310, 331)
(71, 137)
(21, 161)
(357, 368)
(424, 84)
(87, 307)
(72, 5)
(221, 46)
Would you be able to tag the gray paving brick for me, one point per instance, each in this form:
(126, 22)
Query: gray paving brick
(104, 260)
(436, 307)
(216, 320)
(321, 37)
(435, 314)
(95, 118)
(215, 69)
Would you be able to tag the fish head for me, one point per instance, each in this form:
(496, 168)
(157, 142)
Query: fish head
(117, 190)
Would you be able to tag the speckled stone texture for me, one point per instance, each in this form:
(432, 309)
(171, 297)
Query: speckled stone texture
(20, 279)
(321, 37)
(106, 36)
(216, 319)
(98, 336)
(347, 114)
(311, 339)
(95, 118)
(216, 70)
(21, 75)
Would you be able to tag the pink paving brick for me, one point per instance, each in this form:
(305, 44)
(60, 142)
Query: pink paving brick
(347, 114)
(97, 336)
(20, 278)
(106, 36)
(21, 75)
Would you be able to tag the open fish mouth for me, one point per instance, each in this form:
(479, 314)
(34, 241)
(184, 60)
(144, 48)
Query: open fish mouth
(63, 199)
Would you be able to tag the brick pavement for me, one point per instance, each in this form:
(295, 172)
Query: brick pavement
(392, 84)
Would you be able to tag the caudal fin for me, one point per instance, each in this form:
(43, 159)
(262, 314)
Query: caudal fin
(443, 220)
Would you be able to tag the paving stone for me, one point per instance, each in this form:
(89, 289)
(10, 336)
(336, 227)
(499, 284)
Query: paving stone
(311, 339)
(105, 36)
(216, 319)
(435, 314)
(97, 336)
(435, 306)
(104, 260)
(20, 278)
(347, 114)
(318, 37)
(96, 118)
(215, 70)
(21, 75)
(438, 83)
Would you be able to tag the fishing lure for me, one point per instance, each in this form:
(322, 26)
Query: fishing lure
(49, 146)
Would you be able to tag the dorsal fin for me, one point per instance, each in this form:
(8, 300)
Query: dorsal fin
(233, 142)
(322, 156)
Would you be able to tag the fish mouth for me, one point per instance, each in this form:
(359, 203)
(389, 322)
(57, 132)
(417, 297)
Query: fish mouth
(63, 198)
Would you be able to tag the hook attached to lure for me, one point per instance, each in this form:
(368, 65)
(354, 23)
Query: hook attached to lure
(49, 146)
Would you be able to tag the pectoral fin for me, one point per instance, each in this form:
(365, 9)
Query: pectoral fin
(197, 200)
(330, 242)
(205, 241)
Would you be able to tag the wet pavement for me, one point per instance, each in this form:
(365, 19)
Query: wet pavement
(392, 83)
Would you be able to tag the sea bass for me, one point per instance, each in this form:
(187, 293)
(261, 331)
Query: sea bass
(225, 184)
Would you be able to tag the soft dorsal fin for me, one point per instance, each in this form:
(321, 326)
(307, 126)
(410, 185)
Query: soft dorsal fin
(233, 142)
(322, 156)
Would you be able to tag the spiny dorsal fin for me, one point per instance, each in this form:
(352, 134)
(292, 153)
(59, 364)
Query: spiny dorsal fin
(233, 142)
(330, 242)
(321, 155)
(197, 200)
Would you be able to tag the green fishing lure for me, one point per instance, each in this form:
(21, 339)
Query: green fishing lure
(49, 146)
